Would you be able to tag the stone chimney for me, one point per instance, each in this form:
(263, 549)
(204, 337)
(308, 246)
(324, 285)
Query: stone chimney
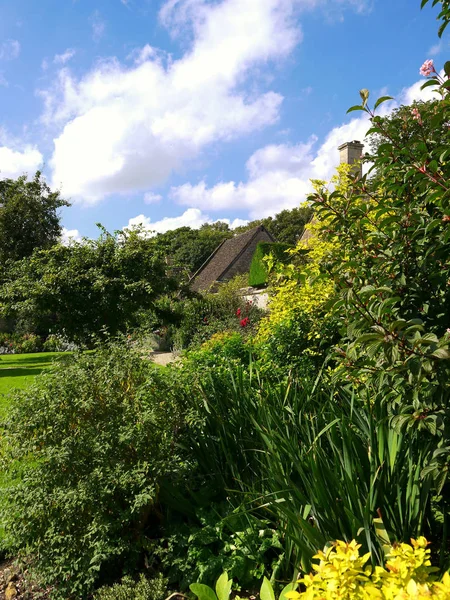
(351, 152)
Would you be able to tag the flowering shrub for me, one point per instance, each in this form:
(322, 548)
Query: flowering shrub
(229, 344)
(392, 272)
(12, 343)
(427, 68)
(342, 574)
(58, 343)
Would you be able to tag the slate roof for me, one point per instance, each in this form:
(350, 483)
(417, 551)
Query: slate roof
(223, 257)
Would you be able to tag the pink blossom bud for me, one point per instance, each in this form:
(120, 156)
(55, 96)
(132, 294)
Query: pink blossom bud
(427, 68)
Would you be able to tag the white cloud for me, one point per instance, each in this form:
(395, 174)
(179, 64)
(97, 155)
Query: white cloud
(70, 235)
(437, 48)
(14, 163)
(9, 50)
(279, 175)
(98, 26)
(62, 59)
(127, 129)
(192, 217)
(140, 55)
(150, 198)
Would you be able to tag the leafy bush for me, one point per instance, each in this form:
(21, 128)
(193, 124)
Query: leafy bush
(391, 269)
(228, 344)
(408, 574)
(90, 446)
(206, 315)
(300, 344)
(129, 589)
(58, 343)
(259, 273)
(87, 286)
(14, 343)
(31, 343)
(218, 539)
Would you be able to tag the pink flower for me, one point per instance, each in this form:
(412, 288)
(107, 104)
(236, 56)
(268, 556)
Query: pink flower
(427, 68)
(416, 115)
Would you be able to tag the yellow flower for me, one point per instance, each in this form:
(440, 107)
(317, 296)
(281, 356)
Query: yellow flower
(342, 574)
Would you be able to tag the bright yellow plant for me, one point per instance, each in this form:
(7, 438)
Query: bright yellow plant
(303, 288)
(342, 574)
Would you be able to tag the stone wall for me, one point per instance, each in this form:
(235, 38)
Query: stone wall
(259, 298)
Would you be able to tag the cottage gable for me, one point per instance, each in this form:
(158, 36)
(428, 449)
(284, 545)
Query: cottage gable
(233, 257)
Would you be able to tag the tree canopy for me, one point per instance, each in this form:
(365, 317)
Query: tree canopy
(29, 217)
(287, 226)
(85, 287)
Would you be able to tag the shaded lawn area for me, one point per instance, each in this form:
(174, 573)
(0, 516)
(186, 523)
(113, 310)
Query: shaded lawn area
(17, 371)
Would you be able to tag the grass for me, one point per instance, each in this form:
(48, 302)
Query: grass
(17, 371)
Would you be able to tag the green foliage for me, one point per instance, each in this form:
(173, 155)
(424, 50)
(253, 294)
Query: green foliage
(11, 343)
(392, 270)
(224, 585)
(324, 463)
(187, 249)
(29, 217)
(208, 314)
(286, 227)
(259, 272)
(291, 347)
(86, 287)
(444, 14)
(218, 539)
(102, 435)
(129, 589)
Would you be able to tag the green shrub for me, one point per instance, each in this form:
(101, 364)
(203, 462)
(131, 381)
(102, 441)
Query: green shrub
(31, 343)
(218, 539)
(16, 343)
(58, 343)
(101, 435)
(208, 314)
(129, 589)
(296, 344)
(259, 273)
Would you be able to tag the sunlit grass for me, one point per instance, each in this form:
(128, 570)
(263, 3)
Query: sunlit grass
(17, 371)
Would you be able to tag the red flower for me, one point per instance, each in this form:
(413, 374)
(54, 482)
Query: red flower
(238, 312)
(245, 322)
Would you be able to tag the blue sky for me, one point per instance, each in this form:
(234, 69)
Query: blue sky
(173, 112)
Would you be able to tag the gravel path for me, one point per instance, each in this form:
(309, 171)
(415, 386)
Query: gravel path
(163, 358)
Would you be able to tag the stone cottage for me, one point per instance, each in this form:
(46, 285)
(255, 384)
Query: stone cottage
(233, 257)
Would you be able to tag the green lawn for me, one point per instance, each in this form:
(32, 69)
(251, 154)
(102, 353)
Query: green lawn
(18, 370)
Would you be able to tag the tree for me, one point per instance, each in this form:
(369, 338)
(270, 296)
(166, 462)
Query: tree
(187, 249)
(287, 226)
(87, 286)
(29, 217)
